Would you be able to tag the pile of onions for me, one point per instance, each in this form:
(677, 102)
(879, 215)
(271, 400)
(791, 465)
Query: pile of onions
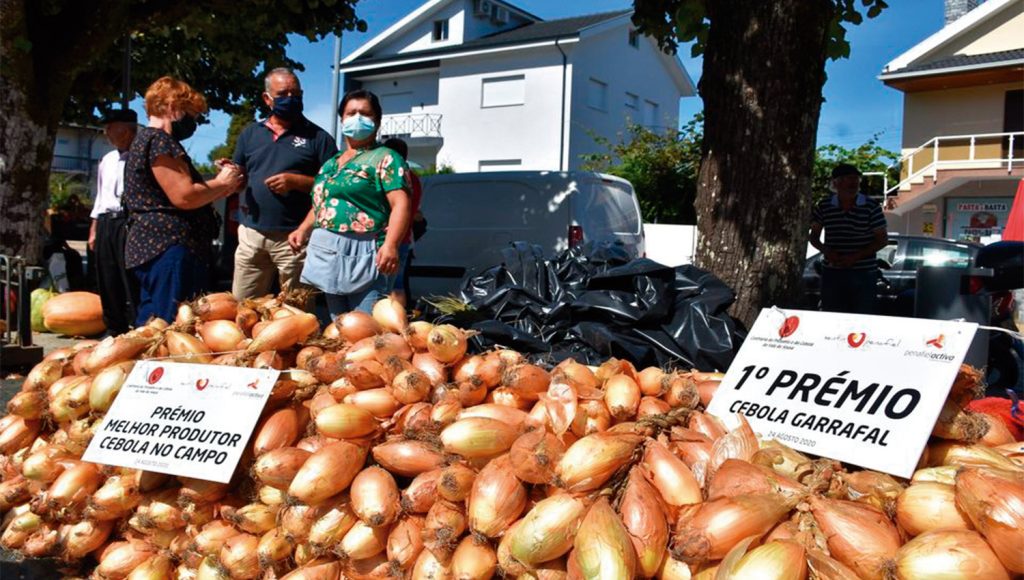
(389, 449)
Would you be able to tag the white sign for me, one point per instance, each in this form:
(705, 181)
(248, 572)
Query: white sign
(866, 390)
(182, 419)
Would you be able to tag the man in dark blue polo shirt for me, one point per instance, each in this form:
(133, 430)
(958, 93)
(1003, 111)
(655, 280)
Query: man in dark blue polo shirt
(855, 229)
(280, 156)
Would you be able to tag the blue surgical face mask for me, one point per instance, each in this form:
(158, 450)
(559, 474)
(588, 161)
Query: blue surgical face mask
(358, 127)
(288, 108)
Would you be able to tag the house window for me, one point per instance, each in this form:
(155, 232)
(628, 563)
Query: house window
(634, 38)
(632, 102)
(650, 114)
(500, 165)
(503, 91)
(597, 95)
(440, 30)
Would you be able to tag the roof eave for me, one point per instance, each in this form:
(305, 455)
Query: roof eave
(897, 75)
(947, 33)
(411, 58)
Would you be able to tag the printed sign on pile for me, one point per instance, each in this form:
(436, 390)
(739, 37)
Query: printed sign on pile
(866, 390)
(182, 419)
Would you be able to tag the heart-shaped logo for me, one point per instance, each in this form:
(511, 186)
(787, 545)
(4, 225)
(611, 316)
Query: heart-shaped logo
(855, 339)
(789, 326)
(202, 384)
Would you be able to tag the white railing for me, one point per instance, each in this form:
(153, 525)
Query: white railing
(1004, 141)
(411, 125)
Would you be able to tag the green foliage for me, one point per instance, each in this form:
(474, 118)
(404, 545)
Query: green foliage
(65, 188)
(675, 22)
(868, 157)
(239, 120)
(662, 166)
(441, 169)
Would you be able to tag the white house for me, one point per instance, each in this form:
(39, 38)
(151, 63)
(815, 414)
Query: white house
(481, 85)
(77, 151)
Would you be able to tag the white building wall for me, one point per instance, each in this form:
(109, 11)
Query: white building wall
(462, 26)
(609, 58)
(528, 132)
(420, 91)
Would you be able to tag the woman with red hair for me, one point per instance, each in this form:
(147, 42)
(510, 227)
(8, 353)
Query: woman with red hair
(171, 224)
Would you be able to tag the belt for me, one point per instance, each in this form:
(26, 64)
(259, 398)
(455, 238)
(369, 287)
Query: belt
(113, 215)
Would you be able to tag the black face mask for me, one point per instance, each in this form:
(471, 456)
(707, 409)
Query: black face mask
(287, 108)
(183, 128)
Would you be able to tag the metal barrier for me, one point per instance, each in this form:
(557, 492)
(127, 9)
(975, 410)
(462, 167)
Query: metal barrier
(17, 280)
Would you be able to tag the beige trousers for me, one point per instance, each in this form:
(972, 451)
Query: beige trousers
(259, 256)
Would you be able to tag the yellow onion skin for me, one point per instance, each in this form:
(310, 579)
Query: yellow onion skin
(332, 526)
(316, 570)
(446, 343)
(670, 476)
(73, 487)
(240, 558)
(375, 497)
(548, 530)
(343, 421)
(960, 554)
(212, 537)
(672, 569)
(407, 458)
(994, 502)
(603, 548)
(80, 538)
(187, 348)
(363, 541)
(478, 438)
(327, 472)
(928, 506)
(622, 397)
(715, 527)
(107, 385)
(28, 404)
(421, 492)
(119, 560)
(737, 477)
(279, 467)
(497, 498)
(445, 522)
(644, 516)
(534, 456)
(405, 542)
(281, 428)
(159, 567)
(273, 547)
(429, 567)
(456, 482)
(589, 462)
(778, 560)
(473, 560)
(859, 535)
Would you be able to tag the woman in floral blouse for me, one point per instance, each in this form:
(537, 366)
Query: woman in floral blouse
(360, 213)
(171, 223)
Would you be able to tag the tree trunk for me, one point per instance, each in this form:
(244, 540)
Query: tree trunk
(28, 127)
(764, 68)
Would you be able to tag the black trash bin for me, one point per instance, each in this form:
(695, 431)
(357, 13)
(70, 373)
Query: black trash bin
(944, 293)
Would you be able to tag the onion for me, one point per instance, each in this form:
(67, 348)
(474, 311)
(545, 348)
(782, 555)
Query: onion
(994, 502)
(19, 433)
(407, 458)
(221, 335)
(603, 549)
(343, 421)
(316, 570)
(782, 459)
(456, 482)
(997, 433)
(447, 343)
(534, 456)
(928, 506)
(281, 428)
(411, 386)
(28, 404)
(429, 567)
(508, 415)
(652, 381)
(239, 556)
(949, 554)
(431, 367)
(327, 472)
(271, 359)
(117, 496)
(306, 354)
(588, 463)
(363, 541)
(591, 417)
(414, 417)
(859, 535)
(445, 522)
(652, 406)
(320, 402)
(114, 350)
(332, 526)
(72, 402)
(390, 314)
(672, 569)
(942, 474)
(107, 385)
(42, 542)
(121, 558)
(580, 376)
(526, 380)
(496, 499)
(74, 486)
(416, 333)
(778, 560)
(255, 518)
(273, 548)
(717, 526)
(547, 531)
(670, 476)
(737, 477)
(478, 437)
(46, 464)
(445, 413)
(375, 497)
(379, 402)
(947, 453)
(297, 521)
(19, 528)
(740, 443)
(706, 425)
(80, 538)
(473, 560)
(219, 306)
(622, 397)
(284, 333)
(480, 370)
(872, 487)
(43, 375)
(643, 515)
(356, 325)
(200, 490)
(212, 537)
(187, 348)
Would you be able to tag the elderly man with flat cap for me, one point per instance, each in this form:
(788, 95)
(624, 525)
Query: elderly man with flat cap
(117, 288)
(855, 229)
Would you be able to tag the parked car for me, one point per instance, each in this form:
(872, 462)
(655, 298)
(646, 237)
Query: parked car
(899, 262)
(472, 217)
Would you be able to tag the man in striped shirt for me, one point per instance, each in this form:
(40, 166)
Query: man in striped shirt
(855, 230)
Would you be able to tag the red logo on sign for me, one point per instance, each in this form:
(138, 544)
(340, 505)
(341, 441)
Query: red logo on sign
(253, 384)
(789, 326)
(202, 383)
(937, 342)
(155, 375)
(855, 339)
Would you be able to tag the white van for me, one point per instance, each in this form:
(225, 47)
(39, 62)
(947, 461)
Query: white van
(472, 217)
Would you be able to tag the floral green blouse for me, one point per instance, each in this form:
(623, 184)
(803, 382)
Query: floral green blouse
(352, 197)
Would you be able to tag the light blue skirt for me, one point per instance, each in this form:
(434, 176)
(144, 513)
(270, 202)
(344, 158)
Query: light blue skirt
(341, 263)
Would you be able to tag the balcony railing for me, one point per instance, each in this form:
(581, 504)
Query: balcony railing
(411, 125)
(985, 150)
